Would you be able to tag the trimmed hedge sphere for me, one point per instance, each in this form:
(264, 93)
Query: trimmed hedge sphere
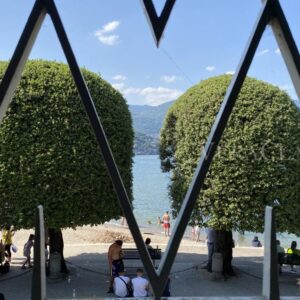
(49, 154)
(257, 162)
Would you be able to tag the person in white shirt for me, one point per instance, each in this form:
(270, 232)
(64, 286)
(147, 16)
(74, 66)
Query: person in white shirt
(120, 284)
(210, 241)
(140, 285)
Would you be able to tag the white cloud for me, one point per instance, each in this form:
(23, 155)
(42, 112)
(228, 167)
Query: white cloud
(230, 72)
(111, 26)
(131, 90)
(262, 52)
(210, 68)
(119, 77)
(108, 39)
(277, 51)
(169, 79)
(152, 95)
(118, 86)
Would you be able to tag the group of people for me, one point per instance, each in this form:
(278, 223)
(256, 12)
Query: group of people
(7, 247)
(292, 252)
(120, 284)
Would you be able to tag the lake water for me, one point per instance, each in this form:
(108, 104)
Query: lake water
(150, 191)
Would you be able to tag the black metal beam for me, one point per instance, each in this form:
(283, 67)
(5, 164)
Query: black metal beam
(157, 23)
(287, 45)
(38, 285)
(15, 67)
(270, 270)
(271, 11)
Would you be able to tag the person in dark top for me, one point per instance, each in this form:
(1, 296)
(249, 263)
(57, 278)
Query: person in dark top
(255, 242)
(147, 243)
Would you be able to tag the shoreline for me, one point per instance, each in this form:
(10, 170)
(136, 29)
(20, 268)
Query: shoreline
(101, 236)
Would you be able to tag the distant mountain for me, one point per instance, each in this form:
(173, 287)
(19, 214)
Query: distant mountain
(149, 119)
(147, 122)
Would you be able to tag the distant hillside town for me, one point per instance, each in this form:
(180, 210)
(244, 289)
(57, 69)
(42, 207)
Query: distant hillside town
(147, 122)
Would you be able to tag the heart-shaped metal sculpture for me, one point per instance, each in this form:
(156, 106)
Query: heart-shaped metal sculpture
(271, 12)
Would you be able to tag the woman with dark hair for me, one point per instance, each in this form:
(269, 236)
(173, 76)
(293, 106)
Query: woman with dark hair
(147, 243)
(27, 251)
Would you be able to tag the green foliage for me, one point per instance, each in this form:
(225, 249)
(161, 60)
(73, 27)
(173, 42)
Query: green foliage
(257, 162)
(48, 152)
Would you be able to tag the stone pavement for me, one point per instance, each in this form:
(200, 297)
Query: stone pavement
(89, 278)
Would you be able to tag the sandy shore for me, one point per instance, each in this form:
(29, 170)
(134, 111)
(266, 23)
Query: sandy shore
(89, 237)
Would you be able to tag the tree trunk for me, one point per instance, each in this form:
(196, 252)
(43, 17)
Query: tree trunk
(224, 244)
(56, 244)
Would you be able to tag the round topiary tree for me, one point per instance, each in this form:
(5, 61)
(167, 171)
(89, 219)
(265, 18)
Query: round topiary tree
(49, 155)
(257, 162)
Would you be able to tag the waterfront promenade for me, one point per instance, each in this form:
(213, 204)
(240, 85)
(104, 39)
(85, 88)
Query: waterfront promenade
(87, 261)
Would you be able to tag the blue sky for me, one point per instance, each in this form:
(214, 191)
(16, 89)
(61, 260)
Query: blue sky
(113, 38)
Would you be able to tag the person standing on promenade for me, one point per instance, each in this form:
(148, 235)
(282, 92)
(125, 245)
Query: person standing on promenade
(166, 223)
(210, 241)
(196, 233)
(115, 261)
(7, 234)
(27, 252)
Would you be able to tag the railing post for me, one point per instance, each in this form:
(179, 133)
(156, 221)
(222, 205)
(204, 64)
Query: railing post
(38, 286)
(270, 271)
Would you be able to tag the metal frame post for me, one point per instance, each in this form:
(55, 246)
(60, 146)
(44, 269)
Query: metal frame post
(270, 288)
(38, 285)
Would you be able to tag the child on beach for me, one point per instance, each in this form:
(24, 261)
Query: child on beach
(27, 251)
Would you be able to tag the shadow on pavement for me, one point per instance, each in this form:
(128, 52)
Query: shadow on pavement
(89, 278)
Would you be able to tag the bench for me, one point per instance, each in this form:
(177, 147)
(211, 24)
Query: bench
(288, 259)
(133, 253)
